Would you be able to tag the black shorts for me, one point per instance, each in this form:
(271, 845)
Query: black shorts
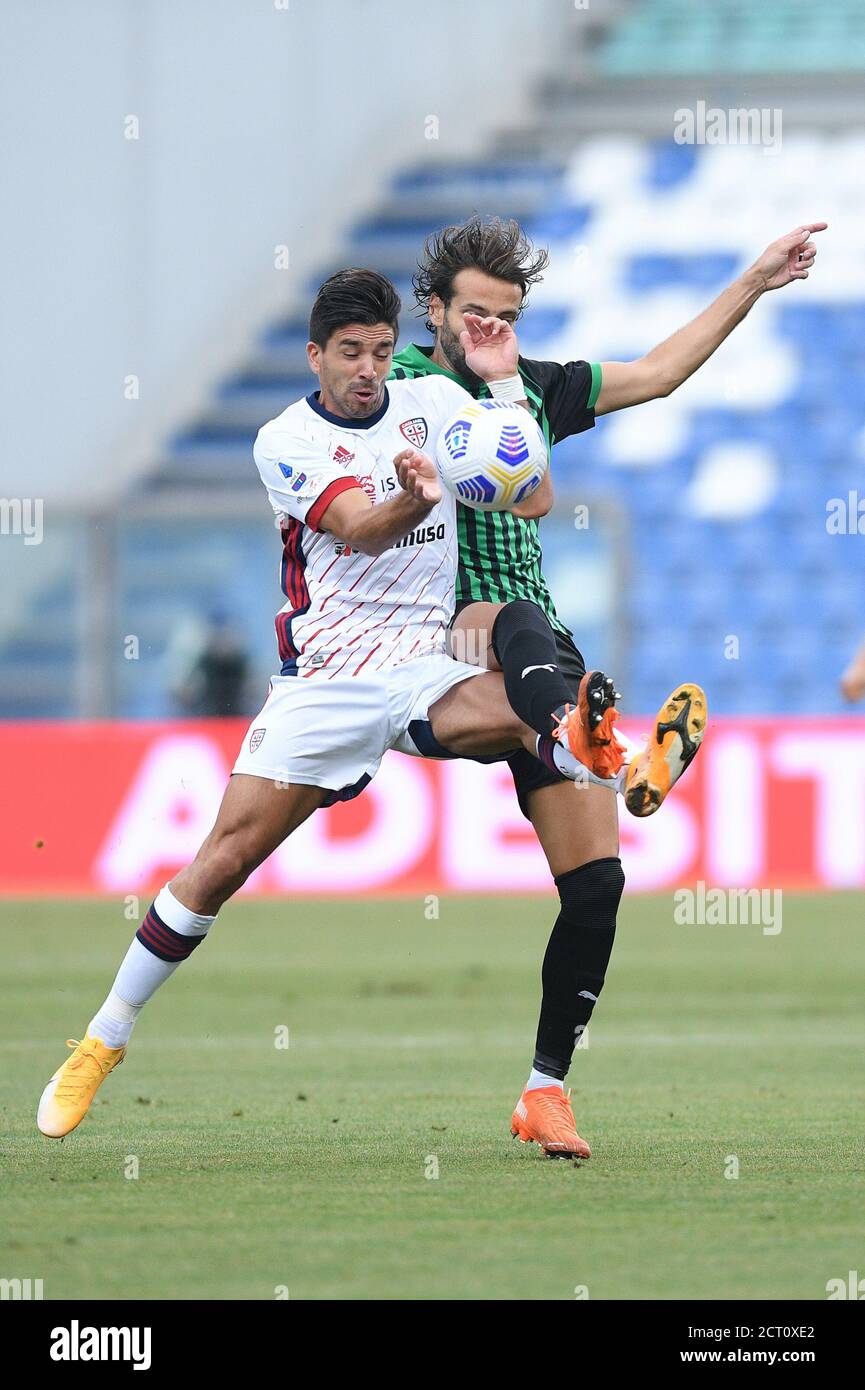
(530, 773)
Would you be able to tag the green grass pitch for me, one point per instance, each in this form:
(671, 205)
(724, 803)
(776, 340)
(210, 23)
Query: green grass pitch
(306, 1168)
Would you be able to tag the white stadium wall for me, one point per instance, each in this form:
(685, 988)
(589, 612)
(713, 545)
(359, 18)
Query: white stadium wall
(258, 126)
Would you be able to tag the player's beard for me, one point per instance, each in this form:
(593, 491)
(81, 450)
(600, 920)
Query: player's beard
(452, 349)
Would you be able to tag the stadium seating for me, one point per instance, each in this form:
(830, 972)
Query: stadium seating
(681, 37)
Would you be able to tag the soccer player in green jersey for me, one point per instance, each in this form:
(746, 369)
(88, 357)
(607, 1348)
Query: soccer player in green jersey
(469, 275)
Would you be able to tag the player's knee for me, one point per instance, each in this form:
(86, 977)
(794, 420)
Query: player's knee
(521, 610)
(586, 929)
(593, 891)
(518, 616)
(225, 865)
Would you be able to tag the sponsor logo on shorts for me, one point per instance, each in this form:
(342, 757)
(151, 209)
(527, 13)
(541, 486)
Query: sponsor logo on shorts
(414, 430)
(256, 738)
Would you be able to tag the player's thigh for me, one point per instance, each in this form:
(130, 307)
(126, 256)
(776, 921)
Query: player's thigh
(256, 815)
(471, 635)
(474, 718)
(575, 824)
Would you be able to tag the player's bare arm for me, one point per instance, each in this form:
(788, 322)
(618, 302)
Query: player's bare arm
(492, 352)
(668, 365)
(352, 518)
(853, 679)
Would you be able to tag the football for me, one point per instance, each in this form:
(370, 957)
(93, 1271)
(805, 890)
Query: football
(491, 454)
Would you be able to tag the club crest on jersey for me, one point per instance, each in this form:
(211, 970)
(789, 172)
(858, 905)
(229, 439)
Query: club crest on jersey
(414, 430)
(256, 739)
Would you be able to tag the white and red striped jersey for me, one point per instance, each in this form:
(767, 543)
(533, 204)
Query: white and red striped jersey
(346, 611)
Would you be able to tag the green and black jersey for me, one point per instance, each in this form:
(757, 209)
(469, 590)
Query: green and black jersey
(500, 554)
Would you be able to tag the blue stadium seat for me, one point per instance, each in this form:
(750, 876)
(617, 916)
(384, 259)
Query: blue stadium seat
(671, 164)
(650, 271)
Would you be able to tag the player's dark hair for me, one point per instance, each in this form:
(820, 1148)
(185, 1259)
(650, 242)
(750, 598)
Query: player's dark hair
(497, 247)
(353, 296)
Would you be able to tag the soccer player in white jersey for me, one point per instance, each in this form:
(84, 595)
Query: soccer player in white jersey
(369, 565)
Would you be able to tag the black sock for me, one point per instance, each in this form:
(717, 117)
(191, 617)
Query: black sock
(576, 960)
(521, 639)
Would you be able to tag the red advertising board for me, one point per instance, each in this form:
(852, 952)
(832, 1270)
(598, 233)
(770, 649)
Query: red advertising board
(117, 808)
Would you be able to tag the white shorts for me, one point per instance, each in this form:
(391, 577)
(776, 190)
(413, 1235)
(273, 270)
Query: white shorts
(334, 733)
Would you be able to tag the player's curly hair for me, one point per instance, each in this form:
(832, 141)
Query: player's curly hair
(353, 296)
(496, 246)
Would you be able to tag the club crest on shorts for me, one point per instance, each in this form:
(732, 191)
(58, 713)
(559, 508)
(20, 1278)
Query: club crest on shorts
(256, 738)
(414, 430)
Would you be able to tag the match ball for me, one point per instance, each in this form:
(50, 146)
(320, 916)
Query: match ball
(491, 455)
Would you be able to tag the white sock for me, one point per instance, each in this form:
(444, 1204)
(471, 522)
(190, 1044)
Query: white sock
(142, 972)
(574, 770)
(114, 1021)
(539, 1078)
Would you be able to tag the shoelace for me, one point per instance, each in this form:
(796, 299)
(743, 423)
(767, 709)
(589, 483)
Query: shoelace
(605, 727)
(604, 749)
(69, 1087)
(561, 729)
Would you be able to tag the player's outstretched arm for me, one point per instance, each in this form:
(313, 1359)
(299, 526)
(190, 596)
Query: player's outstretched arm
(678, 357)
(353, 519)
(853, 679)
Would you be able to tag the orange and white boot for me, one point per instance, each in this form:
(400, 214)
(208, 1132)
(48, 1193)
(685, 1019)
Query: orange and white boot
(587, 728)
(544, 1116)
(672, 747)
(68, 1095)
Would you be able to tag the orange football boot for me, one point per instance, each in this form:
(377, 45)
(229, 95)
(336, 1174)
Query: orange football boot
(545, 1117)
(587, 729)
(678, 734)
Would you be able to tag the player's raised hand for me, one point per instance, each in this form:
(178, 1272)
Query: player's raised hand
(490, 346)
(418, 476)
(788, 258)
